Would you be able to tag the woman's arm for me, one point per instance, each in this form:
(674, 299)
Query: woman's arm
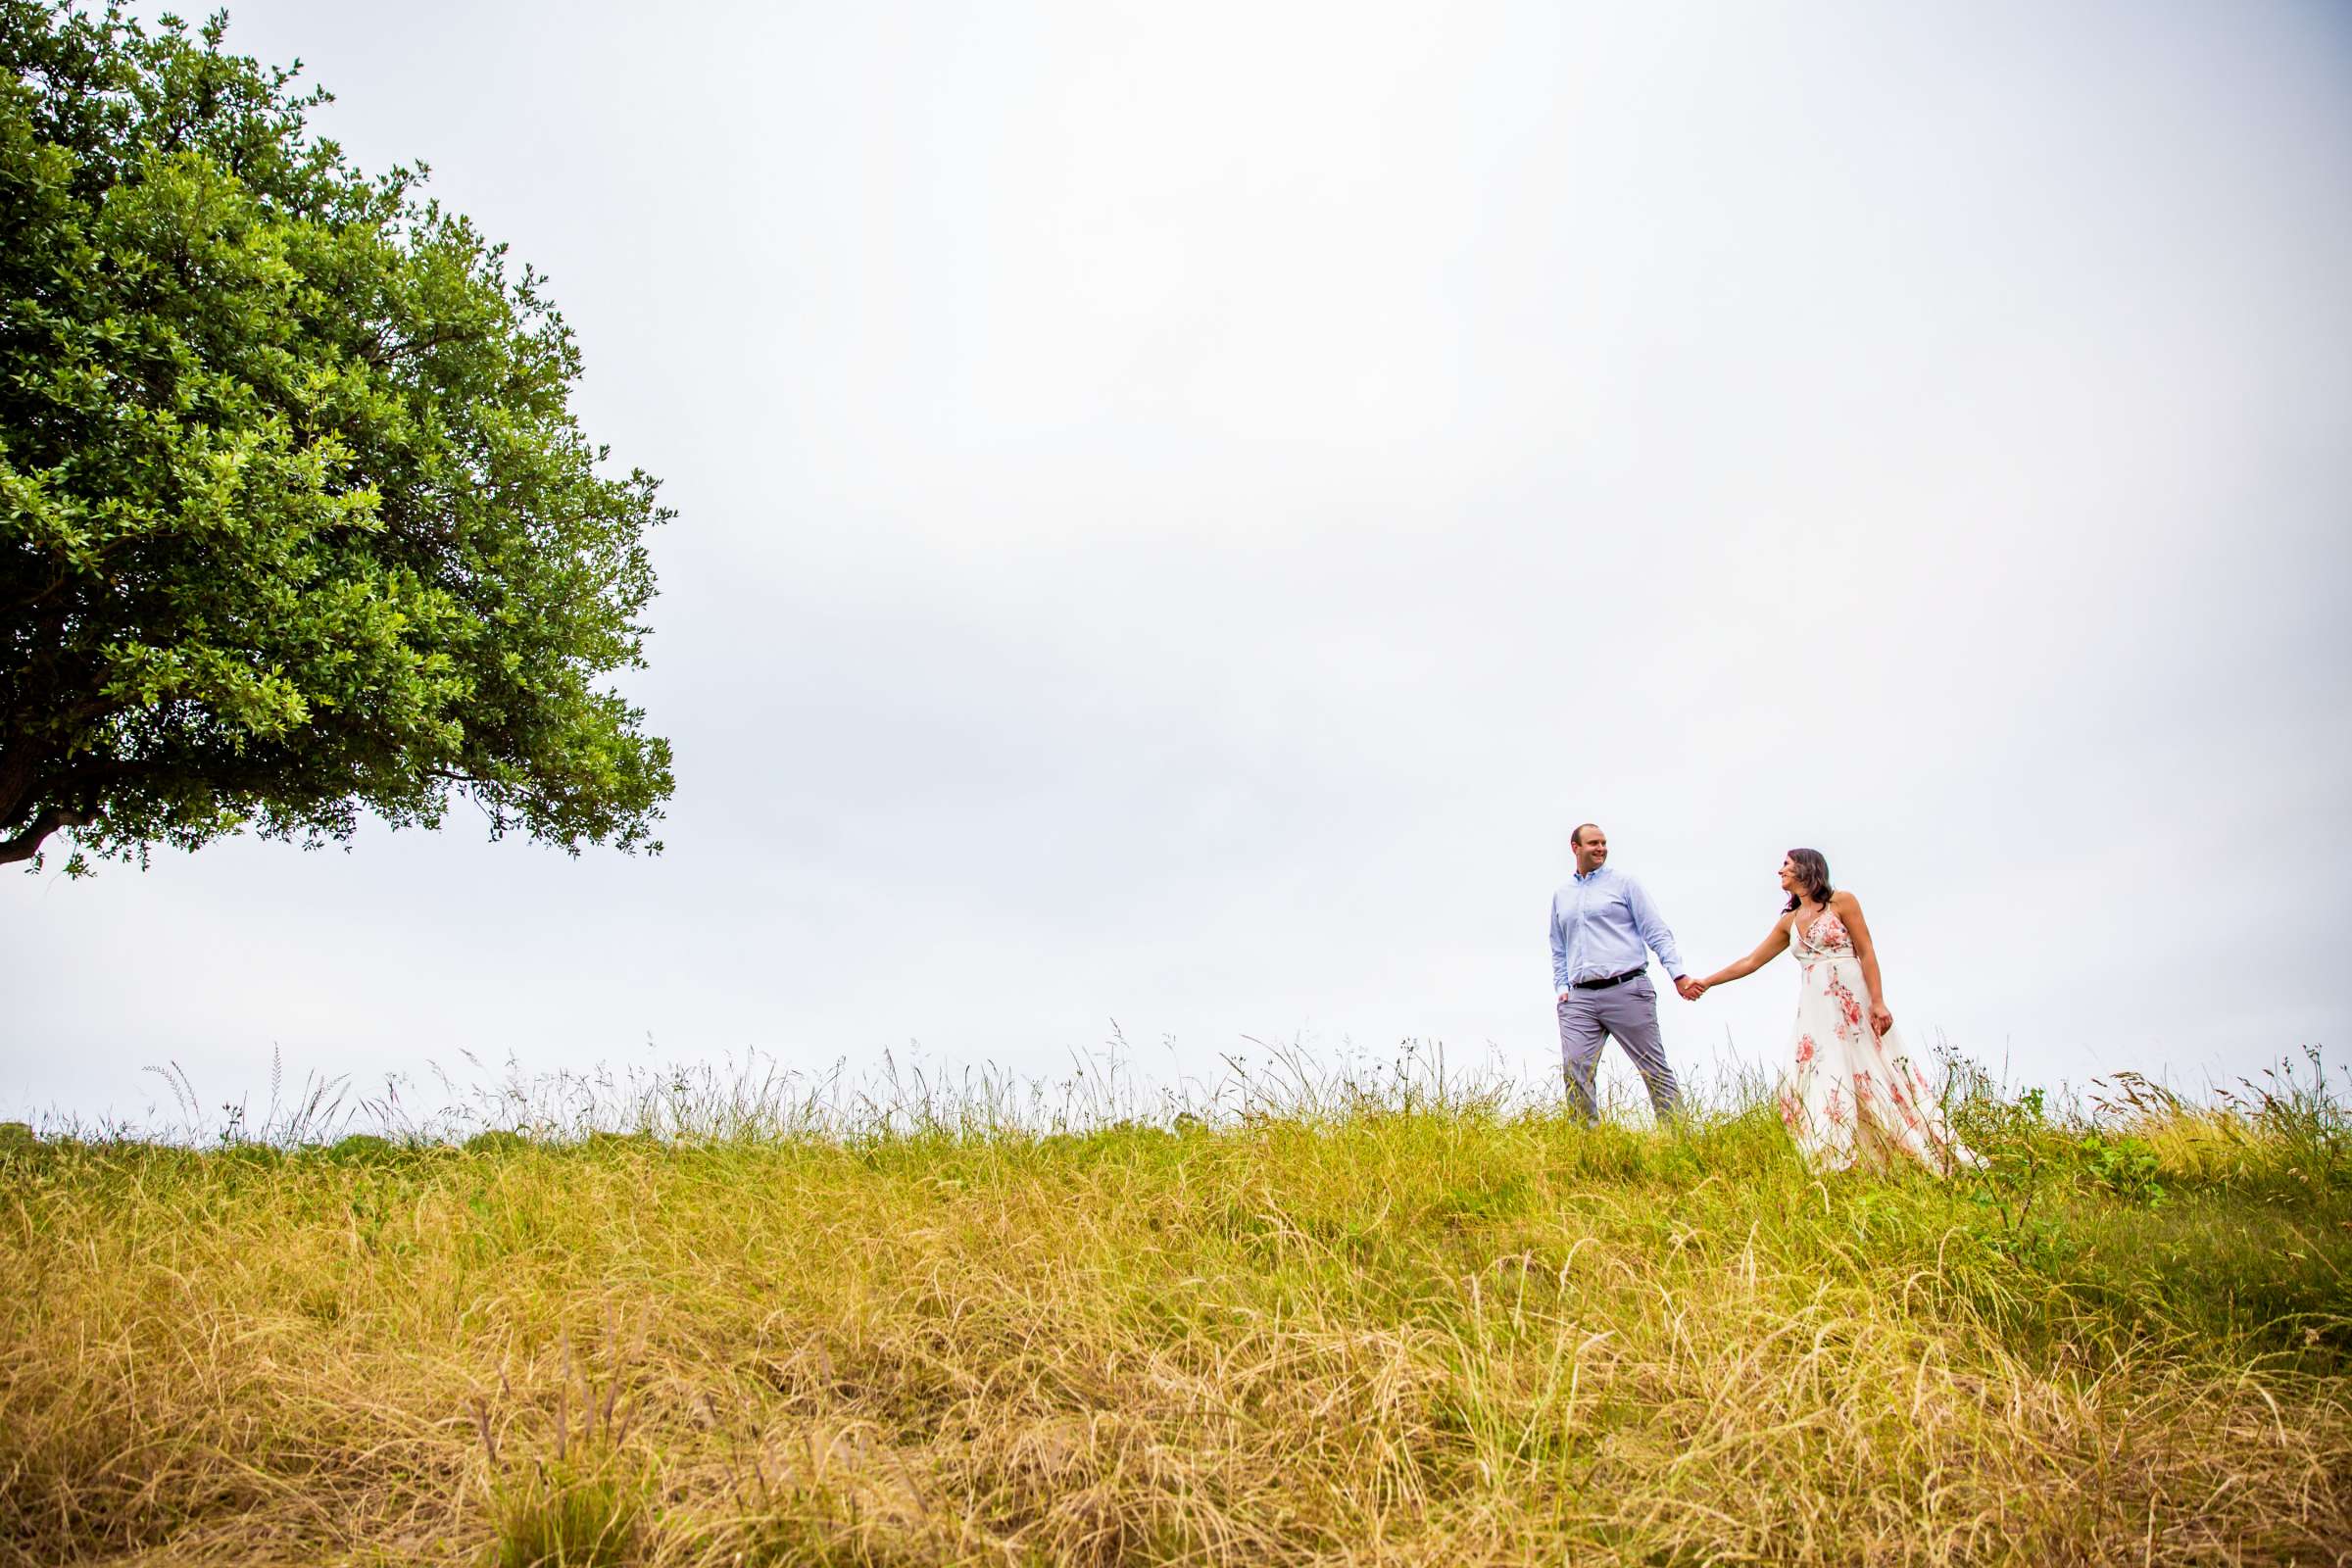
(1767, 949)
(1849, 909)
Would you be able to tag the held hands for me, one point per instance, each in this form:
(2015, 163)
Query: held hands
(1881, 1020)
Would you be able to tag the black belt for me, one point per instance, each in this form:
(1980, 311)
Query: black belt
(1613, 980)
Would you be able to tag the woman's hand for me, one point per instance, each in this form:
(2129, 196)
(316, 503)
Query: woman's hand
(1881, 1020)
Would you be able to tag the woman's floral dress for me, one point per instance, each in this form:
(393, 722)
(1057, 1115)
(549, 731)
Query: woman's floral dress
(1851, 1092)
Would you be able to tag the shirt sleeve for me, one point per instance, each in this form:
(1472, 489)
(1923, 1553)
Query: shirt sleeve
(1559, 948)
(1653, 929)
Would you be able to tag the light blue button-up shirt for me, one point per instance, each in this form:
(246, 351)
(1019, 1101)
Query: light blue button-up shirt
(1601, 920)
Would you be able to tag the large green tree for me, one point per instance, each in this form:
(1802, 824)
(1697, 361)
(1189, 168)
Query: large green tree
(295, 519)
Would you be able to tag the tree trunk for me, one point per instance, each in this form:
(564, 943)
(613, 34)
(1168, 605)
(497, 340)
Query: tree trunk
(18, 766)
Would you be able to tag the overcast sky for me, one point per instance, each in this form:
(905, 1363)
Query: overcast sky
(1182, 507)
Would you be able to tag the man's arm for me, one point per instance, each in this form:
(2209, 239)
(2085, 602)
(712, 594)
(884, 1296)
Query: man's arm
(1559, 950)
(1652, 930)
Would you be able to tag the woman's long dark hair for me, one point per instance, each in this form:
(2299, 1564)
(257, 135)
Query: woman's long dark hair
(1812, 876)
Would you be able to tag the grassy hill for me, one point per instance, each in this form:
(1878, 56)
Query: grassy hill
(1344, 1326)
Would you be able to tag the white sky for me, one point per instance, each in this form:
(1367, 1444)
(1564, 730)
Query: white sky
(1183, 507)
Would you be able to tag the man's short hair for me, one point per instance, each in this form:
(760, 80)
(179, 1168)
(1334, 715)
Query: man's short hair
(1577, 838)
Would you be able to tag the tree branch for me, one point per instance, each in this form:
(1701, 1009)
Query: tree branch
(381, 354)
(25, 845)
(27, 601)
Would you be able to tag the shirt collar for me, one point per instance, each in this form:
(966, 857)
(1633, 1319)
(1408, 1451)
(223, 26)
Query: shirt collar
(1586, 876)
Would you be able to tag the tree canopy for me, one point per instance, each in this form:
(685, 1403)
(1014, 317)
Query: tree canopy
(295, 518)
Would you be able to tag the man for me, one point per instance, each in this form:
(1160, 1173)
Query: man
(1600, 921)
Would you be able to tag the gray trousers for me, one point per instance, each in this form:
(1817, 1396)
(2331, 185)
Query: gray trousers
(1629, 1014)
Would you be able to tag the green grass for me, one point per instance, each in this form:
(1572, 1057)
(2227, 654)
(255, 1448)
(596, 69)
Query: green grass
(1350, 1323)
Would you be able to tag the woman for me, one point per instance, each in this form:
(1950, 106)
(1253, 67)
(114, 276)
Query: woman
(1853, 1089)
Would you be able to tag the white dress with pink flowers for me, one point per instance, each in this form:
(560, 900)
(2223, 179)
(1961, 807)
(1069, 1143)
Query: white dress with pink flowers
(1851, 1092)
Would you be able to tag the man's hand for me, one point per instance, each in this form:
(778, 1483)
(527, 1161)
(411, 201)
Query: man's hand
(1566, 992)
(1691, 989)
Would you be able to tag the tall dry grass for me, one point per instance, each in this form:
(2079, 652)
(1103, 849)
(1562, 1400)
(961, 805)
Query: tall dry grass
(1320, 1319)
